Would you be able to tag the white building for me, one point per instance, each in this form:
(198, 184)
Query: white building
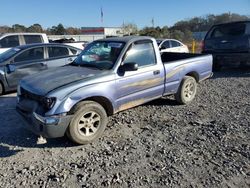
(105, 31)
(92, 33)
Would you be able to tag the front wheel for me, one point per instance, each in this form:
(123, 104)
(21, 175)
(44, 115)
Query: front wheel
(187, 90)
(88, 122)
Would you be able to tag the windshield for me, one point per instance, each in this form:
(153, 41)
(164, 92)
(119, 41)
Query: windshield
(8, 54)
(100, 55)
(229, 30)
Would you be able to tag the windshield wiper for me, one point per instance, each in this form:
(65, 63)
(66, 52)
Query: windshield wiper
(90, 66)
(74, 64)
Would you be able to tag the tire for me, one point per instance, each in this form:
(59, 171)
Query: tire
(88, 123)
(187, 90)
(1, 89)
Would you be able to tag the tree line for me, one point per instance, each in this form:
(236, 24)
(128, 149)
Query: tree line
(181, 30)
(37, 28)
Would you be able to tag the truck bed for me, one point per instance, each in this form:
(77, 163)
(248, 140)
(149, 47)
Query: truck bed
(177, 65)
(167, 57)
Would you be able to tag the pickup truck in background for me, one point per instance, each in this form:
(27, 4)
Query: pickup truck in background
(229, 43)
(109, 76)
(10, 40)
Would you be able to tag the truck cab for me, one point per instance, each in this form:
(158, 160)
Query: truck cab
(10, 40)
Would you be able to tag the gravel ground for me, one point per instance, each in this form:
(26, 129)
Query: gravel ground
(159, 144)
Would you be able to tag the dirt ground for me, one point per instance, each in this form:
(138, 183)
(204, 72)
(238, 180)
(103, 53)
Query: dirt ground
(159, 144)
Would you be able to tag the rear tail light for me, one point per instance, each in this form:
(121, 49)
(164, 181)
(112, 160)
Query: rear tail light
(202, 45)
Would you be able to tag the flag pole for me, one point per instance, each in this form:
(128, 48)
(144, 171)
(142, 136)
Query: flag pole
(101, 16)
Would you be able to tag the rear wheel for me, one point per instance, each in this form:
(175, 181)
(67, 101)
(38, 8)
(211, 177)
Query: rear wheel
(1, 88)
(187, 90)
(88, 122)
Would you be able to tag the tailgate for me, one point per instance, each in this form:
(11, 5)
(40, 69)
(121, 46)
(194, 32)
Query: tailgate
(228, 44)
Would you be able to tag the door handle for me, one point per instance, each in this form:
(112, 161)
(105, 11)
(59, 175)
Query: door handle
(43, 63)
(156, 72)
(70, 59)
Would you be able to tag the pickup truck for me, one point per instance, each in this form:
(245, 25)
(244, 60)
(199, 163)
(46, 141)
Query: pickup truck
(109, 76)
(10, 40)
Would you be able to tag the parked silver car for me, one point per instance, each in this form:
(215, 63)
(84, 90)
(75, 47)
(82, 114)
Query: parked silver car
(24, 60)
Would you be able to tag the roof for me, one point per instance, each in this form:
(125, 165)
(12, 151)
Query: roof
(229, 23)
(126, 39)
(42, 45)
(5, 34)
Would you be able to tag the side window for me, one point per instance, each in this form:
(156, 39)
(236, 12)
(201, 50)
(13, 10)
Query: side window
(58, 52)
(143, 54)
(166, 44)
(29, 55)
(29, 39)
(175, 43)
(216, 33)
(9, 41)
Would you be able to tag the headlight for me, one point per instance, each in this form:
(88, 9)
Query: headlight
(48, 102)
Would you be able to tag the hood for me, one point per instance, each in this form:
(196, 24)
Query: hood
(46, 81)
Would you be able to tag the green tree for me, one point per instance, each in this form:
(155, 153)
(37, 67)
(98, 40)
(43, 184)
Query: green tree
(151, 31)
(188, 36)
(18, 28)
(57, 30)
(5, 29)
(72, 31)
(165, 32)
(177, 34)
(36, 28)
(129, 29)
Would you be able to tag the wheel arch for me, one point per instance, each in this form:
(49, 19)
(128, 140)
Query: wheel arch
(194, 74)
(103, 101)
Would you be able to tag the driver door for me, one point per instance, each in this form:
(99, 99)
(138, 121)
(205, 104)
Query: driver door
(142, 85)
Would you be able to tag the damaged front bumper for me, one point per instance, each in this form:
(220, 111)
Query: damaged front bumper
(48, 127)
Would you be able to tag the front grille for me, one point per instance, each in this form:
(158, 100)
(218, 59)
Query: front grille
(28, 95)
(34, 99)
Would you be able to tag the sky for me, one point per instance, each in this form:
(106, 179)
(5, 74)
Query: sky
(87, 13)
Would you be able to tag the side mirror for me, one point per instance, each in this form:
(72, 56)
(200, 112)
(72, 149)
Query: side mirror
(11, 68)
(163, 48)
(129, 67)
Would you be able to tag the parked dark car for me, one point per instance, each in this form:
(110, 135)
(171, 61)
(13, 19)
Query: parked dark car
(229, 43)
(24, 60)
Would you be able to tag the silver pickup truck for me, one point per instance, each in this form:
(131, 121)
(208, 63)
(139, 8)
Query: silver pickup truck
(109, 76)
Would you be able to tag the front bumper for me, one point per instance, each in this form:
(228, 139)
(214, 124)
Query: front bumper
(48, 127)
